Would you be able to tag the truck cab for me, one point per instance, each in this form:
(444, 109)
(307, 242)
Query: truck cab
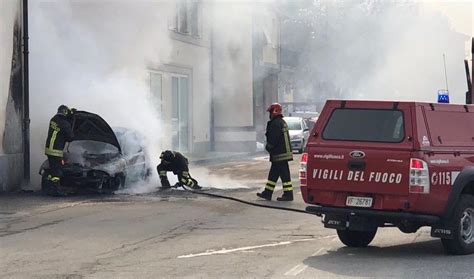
(371, 164)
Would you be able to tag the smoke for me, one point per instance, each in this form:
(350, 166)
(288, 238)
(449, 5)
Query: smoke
(207, 179)
(8, 15)
(379, 50)
(93, 56)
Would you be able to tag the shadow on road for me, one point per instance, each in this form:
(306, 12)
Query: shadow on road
(420, 259)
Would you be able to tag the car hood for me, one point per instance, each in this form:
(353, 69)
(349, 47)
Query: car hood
(89, 126)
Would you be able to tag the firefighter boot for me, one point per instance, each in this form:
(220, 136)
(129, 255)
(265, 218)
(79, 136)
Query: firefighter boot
(287, 196)
(165, 184)
(266, 194)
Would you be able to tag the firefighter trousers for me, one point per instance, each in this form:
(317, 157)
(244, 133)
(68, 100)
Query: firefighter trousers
(55, 169)
(184, 178)
(279, 170)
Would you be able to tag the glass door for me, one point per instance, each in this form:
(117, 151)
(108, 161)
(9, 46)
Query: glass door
(179, 113)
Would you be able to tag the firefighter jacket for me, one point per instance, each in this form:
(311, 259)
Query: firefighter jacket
(60, 132)
(278, 140)
(177, 165)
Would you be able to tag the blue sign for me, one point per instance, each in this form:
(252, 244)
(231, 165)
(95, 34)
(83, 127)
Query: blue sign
(443, 96)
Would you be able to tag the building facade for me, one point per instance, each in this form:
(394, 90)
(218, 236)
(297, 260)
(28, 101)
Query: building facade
(222, 75)
(11, 96)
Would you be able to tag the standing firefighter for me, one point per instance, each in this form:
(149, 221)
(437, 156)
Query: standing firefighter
(279, 147)
(60, 132)
(178, 164)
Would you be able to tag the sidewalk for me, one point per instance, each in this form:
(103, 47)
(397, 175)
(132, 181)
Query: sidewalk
(210, 158)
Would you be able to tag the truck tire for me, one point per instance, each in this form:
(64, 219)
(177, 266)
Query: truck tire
(356, 238)
(463, 228)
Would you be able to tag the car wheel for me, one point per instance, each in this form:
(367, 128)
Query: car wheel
(463, 228)
(119, 181)
(356, 238)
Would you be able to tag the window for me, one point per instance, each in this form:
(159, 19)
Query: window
(293, 123)
(188, 18)
(156, 90)
(180, 113)
(372, 125)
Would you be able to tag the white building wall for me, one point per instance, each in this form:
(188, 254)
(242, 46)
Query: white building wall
(189, 58)
(233, 77)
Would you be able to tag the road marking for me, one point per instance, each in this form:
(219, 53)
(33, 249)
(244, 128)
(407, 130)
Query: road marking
(296, 270)
(227, 251)
(302, 267)
(317, 252)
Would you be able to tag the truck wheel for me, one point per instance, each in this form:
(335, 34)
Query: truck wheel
(463, 228)
(356, 238)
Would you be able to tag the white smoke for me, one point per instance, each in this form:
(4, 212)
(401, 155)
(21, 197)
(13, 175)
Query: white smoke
(93, 56)
(379, 50)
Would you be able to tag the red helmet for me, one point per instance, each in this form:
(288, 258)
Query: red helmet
(275, 109)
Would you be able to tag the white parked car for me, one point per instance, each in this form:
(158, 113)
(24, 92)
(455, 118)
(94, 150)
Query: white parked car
(299, 133)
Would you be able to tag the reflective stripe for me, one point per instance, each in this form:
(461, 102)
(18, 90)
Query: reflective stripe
(287, 186)
(54, 152)
(54, 178)
(185, 173)
(184, 180)
(269, 182)
(287, 140)
(270, 187)
(53, 139)
(190, 183)
(162, 173)
(282, 157)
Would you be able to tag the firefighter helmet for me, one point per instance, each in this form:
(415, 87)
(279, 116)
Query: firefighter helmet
(167, 156)
(275, 109)
(64, 110)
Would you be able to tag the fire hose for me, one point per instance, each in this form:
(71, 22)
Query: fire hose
(244, 201)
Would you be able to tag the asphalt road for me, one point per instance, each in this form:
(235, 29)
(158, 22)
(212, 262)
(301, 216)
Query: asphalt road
(172, 234)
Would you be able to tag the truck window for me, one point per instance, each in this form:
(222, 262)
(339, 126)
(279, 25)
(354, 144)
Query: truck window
(370, 125)
(451, 128)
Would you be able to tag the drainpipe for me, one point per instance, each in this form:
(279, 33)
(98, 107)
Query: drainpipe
(26, 98)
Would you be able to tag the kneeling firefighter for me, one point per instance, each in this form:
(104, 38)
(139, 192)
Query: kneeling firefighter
(279, 147)
(178, 164)
(59, 132)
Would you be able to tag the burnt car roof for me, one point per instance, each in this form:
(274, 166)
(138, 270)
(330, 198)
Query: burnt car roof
(90, 126)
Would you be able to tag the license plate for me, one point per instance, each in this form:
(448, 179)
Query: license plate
(359, 201)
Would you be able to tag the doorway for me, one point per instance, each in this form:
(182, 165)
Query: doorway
(180, 113)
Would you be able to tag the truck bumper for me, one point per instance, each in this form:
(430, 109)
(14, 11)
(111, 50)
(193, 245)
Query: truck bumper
(342, 216)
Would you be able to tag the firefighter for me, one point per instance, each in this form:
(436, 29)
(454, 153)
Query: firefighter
(60, 132)
(279, 146)
(178, 164)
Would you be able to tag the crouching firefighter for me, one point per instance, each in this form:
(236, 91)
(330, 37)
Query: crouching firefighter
(60, 132)
(178, 164)
(279, 147)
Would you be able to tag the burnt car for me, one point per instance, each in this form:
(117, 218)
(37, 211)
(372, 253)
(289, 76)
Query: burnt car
(100, 159)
